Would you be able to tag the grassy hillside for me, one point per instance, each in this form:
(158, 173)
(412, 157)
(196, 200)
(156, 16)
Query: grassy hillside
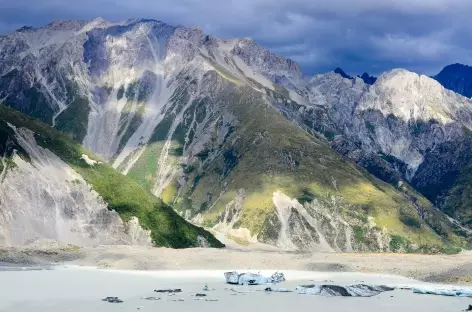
(265, 153)
(121, 193)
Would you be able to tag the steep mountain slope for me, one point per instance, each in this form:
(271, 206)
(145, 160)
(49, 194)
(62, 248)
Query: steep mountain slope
(404, 128)
(49, 189)
(456, 77)
(210, 126)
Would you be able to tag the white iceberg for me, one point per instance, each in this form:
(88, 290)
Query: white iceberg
(360, 290)
(236, 278)
(454, 292)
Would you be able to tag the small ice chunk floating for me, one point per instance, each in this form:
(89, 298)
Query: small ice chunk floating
(453, 292)
(236, 278)
(360, 290)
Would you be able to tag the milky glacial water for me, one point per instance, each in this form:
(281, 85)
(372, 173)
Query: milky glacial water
(80, 289)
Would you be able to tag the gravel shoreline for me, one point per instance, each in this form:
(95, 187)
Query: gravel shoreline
(456, 269)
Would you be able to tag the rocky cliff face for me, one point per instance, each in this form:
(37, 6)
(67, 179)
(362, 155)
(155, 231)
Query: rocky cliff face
(55, 202)
(238, 139)
(49, 191)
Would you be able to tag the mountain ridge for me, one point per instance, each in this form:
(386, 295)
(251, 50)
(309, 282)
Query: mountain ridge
(202, 122)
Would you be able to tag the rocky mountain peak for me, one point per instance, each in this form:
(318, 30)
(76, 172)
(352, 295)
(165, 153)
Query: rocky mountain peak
(341, 72)
(262, 60)
(25, 29)
(410, 96)
(456, 77)
(64, 25)
(193, 34)
(367, 78)
(457, 68)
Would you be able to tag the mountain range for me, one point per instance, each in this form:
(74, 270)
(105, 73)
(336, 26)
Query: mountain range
(234, 138)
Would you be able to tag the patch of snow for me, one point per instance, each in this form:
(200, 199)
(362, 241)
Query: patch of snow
(89, 161)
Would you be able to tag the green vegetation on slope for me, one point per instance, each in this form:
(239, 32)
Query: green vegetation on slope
(459, 198)
(73, 121)
(121, 193)
(144, 171)
(273, 154)
(445, 177)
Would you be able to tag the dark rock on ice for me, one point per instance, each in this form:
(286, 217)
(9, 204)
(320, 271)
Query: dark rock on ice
(112, 299)
(168, 291)
(270, 289)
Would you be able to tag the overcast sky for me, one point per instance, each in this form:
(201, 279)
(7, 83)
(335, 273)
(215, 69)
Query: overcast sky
(357, 35)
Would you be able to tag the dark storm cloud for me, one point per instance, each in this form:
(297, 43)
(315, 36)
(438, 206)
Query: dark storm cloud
(362, 35)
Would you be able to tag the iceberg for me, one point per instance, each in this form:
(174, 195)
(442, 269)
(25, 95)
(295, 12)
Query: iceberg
(453, 292)
(236, 278)
(360, 290)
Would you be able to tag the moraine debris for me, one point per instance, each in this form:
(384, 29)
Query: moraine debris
(112, 300)
(168, 291)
